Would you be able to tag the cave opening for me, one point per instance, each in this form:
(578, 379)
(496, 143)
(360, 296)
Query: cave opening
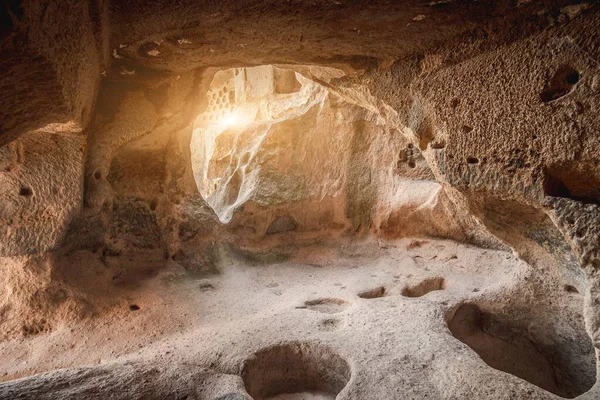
(231, 135)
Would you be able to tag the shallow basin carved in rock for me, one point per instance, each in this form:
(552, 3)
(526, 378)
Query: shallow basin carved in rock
(295, 371)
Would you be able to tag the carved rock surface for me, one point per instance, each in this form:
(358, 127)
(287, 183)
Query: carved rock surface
(326, 199)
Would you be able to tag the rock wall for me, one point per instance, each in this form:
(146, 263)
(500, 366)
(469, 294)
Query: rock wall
(308, 161)
(515, 147)
(52, 59)
(471, 121)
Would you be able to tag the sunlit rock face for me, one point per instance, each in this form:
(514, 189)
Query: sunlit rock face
(242, 148)
(277, 152)
(287, 156)
(258, 199)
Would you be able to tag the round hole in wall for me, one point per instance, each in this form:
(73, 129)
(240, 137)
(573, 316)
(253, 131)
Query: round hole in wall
(562, 83)
(570, 289)
(572, 77)
(25, 191)
(438, 144)
(466, 129)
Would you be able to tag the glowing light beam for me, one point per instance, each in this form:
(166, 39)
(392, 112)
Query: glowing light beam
(231, 119)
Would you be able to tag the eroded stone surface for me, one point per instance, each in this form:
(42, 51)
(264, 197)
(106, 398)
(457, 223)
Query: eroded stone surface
(386, 123)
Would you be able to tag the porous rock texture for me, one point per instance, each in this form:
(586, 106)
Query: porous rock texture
(299, 200)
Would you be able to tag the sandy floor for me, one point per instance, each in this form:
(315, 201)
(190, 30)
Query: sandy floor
(353, 301)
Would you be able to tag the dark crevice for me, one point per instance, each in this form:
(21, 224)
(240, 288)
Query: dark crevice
(373, 293)
(25, 191)
(10, 12)
(570, 184)
(561, 84)
(472, 160)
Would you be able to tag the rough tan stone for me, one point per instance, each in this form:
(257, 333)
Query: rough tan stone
(323, 199)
